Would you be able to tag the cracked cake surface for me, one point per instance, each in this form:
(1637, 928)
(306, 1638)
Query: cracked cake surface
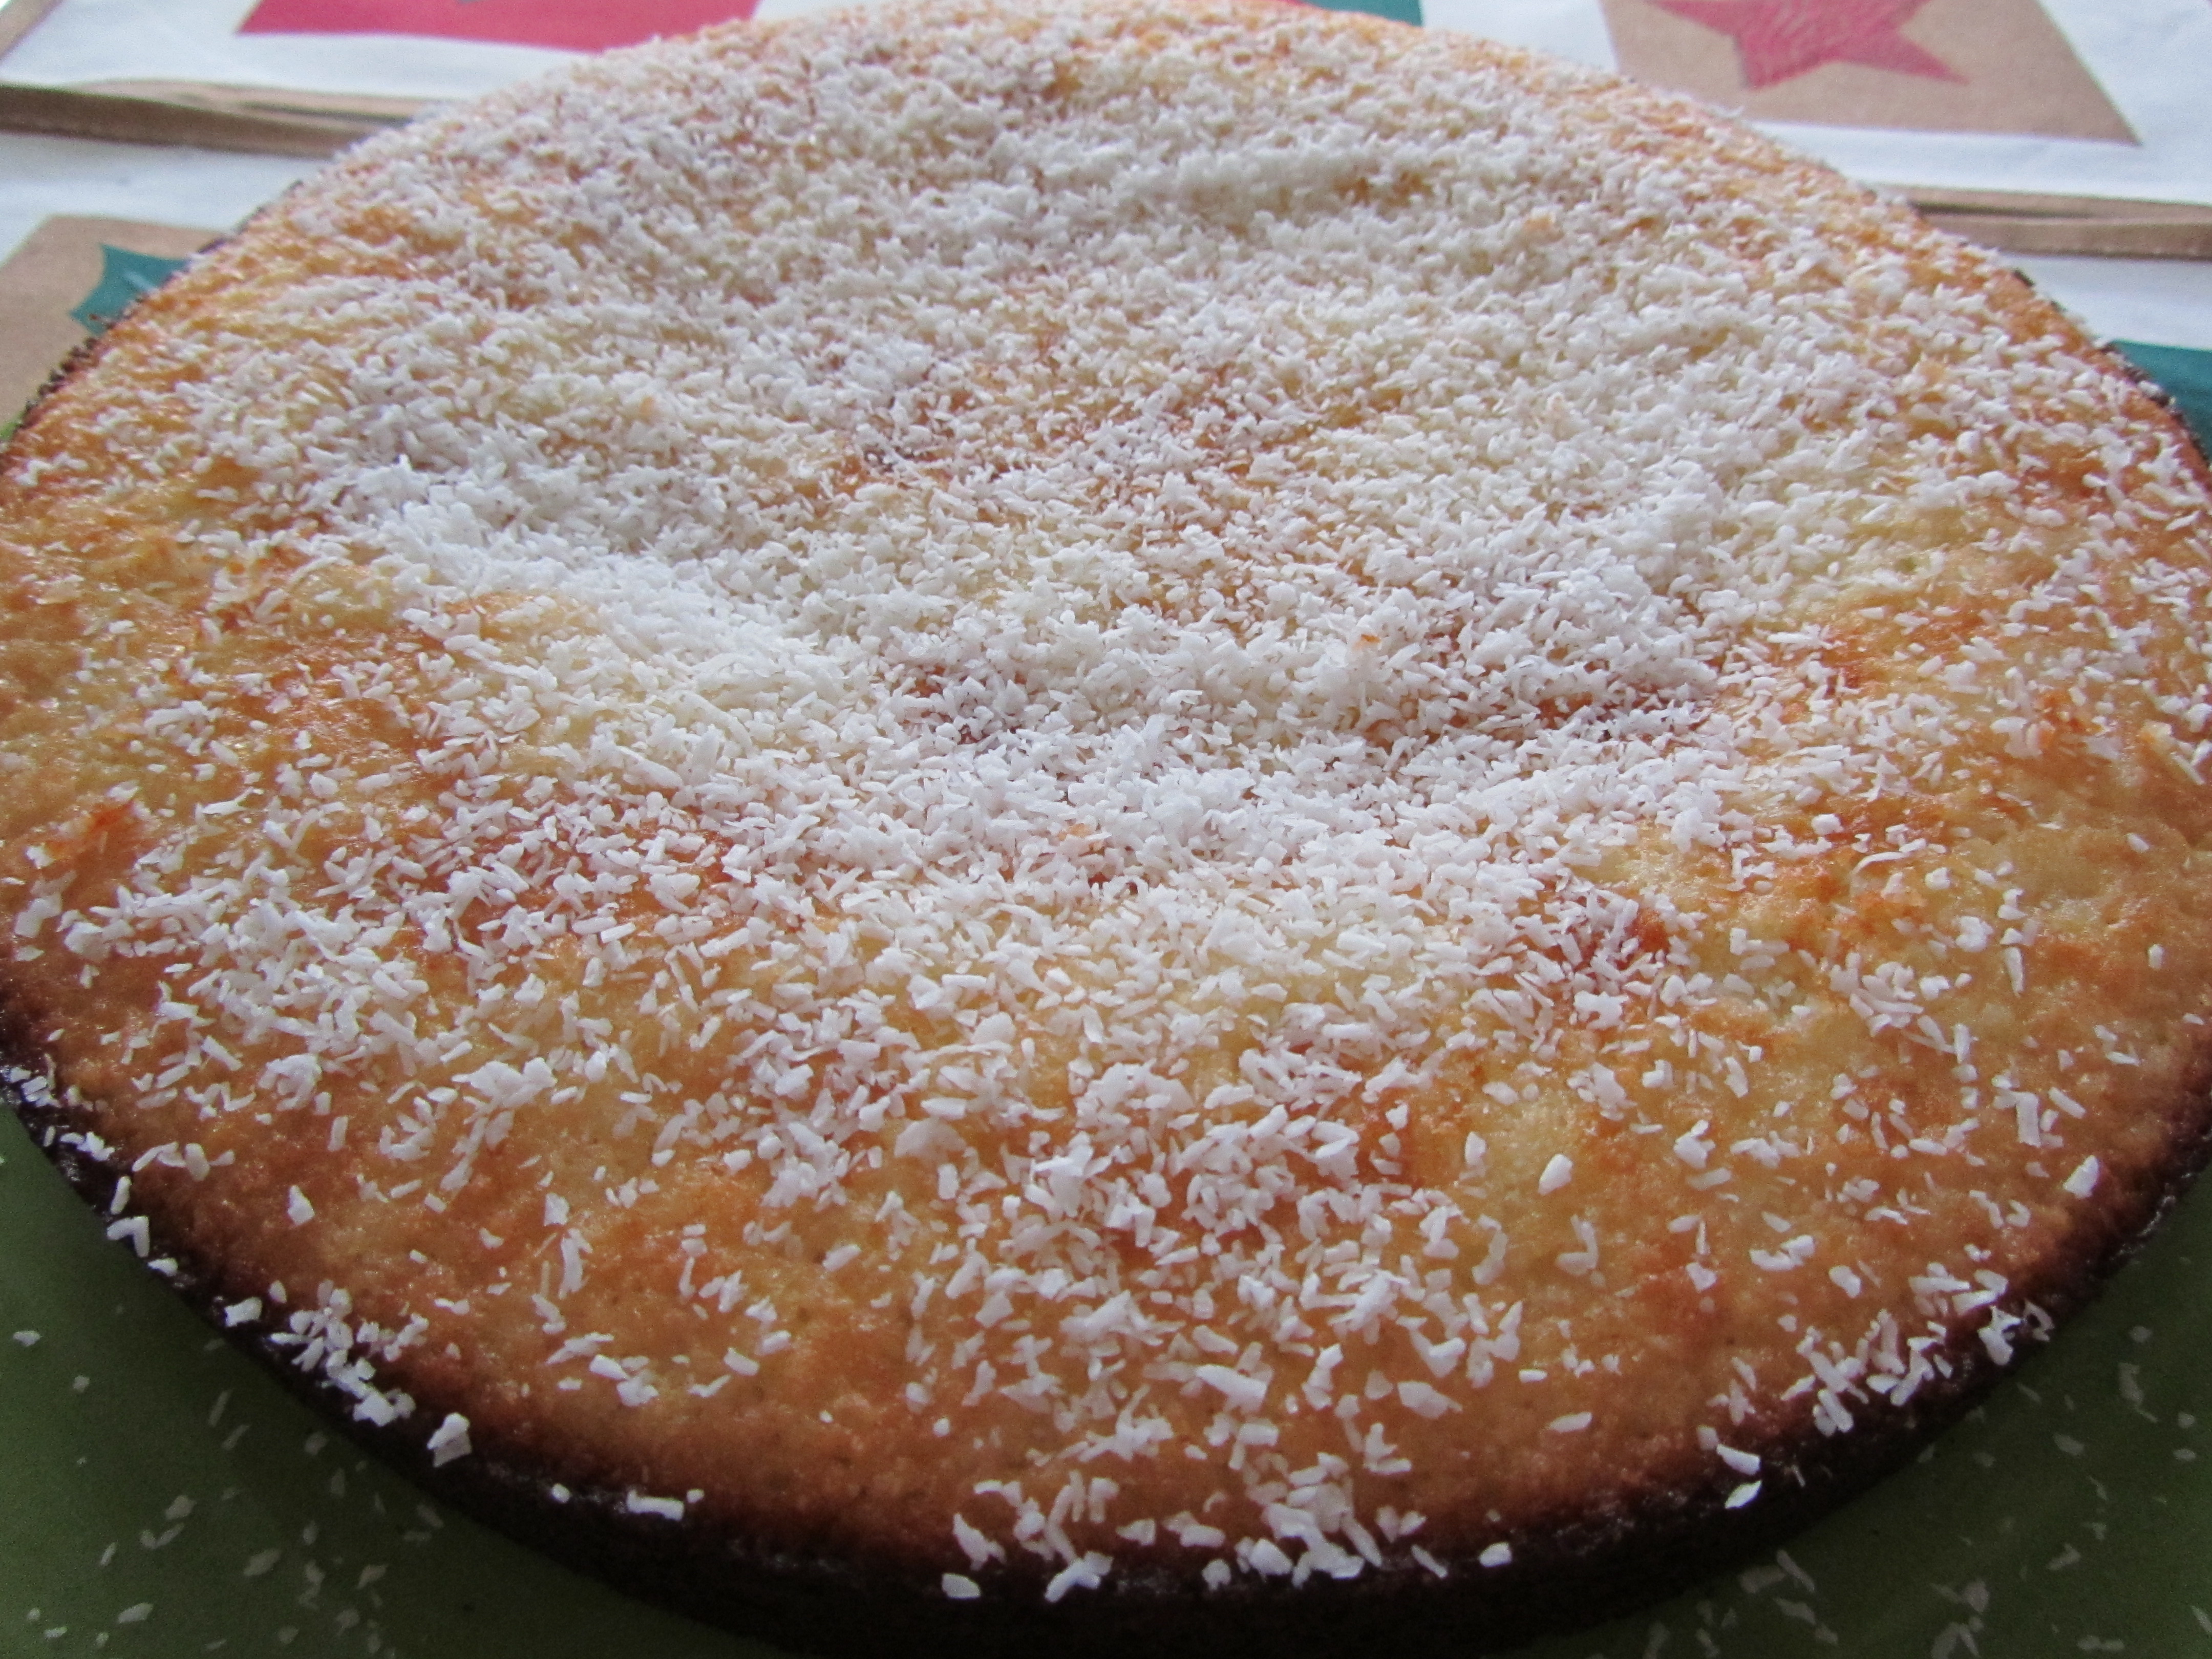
(1134, 807)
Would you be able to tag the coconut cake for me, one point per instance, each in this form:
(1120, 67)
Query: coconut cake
(1114, 821)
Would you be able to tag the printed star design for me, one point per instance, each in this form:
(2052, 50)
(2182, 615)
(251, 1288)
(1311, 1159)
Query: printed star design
(562, 25)
(1776, 39)
(123, 276)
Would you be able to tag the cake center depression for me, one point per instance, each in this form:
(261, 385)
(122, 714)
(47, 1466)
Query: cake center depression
(1243, 782)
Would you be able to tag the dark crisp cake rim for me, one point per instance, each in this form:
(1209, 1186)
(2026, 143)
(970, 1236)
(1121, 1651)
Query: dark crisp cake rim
(1578, 1574)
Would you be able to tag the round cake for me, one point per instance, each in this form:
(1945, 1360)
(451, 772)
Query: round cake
(1100, 822)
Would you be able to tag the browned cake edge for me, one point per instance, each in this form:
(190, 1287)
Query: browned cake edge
(1574, 1571)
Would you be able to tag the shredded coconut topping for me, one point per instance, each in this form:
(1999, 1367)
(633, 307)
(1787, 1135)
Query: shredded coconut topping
(1101, 703)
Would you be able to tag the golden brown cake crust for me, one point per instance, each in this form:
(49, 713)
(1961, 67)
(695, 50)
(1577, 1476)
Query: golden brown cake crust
(1123, 818)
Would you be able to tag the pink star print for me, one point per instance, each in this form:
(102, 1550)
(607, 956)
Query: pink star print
(570, 25)
(1778, 38)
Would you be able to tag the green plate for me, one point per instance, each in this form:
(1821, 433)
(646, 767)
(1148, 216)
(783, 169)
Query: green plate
(164, 1496)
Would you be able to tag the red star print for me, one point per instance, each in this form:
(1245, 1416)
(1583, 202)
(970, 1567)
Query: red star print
(570, 25)
(1778, 38)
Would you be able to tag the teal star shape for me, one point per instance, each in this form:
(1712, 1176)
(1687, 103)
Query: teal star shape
(124, 276)
(2186, 376)
(1398, 11)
